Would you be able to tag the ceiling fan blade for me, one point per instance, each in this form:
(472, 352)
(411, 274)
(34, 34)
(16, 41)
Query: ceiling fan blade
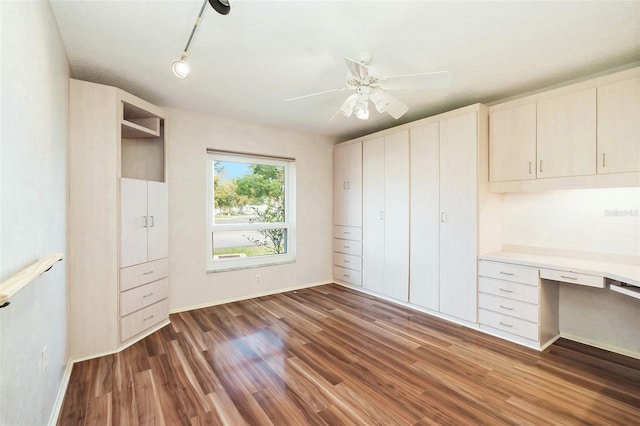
(358, 70)
(425, 80)
(315, 94)
(386, 102)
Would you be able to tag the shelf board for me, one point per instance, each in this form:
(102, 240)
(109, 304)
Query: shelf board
(135, 130)
(626, 290)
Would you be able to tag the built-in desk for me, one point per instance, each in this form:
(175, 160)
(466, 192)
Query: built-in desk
(518, 292)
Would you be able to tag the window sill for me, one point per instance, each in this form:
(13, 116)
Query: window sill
(240, 267)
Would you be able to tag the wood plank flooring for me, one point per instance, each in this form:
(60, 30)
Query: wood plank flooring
(332, 356)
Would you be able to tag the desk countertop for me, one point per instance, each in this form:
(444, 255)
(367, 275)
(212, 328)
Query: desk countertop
(623, 272)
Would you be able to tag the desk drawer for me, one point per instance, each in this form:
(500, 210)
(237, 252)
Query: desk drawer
(514, 308)
(573, 278)
(347, 233)
(145, 295)
(522, 292)
(506, 271)
(347, 247)
(347, 275)
(136, 275)
(347, 261)
(512, 325)
(143, 319)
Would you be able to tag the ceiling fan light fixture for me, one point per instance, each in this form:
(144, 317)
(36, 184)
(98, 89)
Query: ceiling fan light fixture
(221, 6)
(362, 110)
(180, 69)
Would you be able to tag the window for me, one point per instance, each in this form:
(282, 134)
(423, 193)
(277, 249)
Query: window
(250, 211)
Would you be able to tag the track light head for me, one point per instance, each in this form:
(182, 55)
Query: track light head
(221, 6)
(180, 69)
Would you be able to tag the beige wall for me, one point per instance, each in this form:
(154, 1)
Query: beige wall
(33, 193)
(583, 220)
(189, 136)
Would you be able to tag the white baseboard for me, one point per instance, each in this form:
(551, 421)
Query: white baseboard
(600, 345)
(249, 296)
(62, 391)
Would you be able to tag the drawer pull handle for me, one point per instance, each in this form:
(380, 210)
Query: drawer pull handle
(506, 273)
(347, 247)
(505, 290)
(148, 272)
(147, 295)
(506, 307)
(346, 233)
(346, 275)
(568, 277)
(148, 318)
(505, 324)
(346, 261)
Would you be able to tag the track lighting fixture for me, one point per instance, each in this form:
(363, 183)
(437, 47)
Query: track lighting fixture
(181, 68)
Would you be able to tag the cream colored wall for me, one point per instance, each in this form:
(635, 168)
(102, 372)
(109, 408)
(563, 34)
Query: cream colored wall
(590, 220)
(33, 193)
(189, 136)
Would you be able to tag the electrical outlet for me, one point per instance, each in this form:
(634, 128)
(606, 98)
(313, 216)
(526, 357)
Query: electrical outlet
(257, 279)
(45, 359)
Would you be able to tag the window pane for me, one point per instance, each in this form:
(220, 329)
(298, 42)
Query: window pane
(249, 243)
(248, 192)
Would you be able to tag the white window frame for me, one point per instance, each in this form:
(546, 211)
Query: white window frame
(217, 265)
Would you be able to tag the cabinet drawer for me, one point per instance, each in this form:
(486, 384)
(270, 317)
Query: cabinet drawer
(572, 277)
(506, 271)
(522, 292)
(347, 247)
(145, 295)
(347, 275)
(509, 324)
(347, 261)
(135, 276)
(514, 308)
(347, 233)
(143, 319)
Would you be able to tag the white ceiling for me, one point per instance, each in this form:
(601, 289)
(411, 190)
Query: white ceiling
(246, 63)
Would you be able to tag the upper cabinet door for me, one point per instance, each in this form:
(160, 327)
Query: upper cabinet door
(133, 222)
(619, 127)
(347, 184)
(566, 127)
(513, 143)
(158, 212)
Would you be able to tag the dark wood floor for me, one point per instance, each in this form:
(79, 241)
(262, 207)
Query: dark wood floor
(332, 356)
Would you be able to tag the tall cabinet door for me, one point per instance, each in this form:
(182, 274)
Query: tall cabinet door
(458, 216)
(133, 222)
(425, 217)
(373, 218)
(396, 216)
(158, 222)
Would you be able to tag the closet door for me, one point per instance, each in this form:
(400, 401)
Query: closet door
(158, 213)
(373, 217)
(340, 186)
(133, 222)
(458, 216)
(424, 288)
(354, 184)
(396, 216)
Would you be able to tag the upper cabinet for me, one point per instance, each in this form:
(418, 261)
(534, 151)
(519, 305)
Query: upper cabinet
(566, 135)
(619, 126)
(513, 143)
(586, 135)
(347, 184)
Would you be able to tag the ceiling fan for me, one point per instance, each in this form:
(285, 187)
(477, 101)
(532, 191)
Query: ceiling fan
(369, 87)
